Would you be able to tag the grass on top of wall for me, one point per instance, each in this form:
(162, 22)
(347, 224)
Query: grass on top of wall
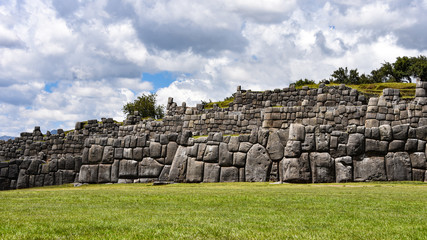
(217, 211)
(221, 104)
(407, 90)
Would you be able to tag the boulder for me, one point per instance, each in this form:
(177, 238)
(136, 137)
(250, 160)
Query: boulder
(225, 158)
(356, 144)
(211, 172)
(194, 171)
(104, 173)
(258, 164)
(128, 169)
(292, 149)
(155, 150)
(322, 142)
(398, 166)
(274, 147)
(296, 132)
(322, 167)
(87, 174)
(149, 168)
(296, 170)
(95, 154)
(344, 169)
(170, 152)
(229, 174)
(239, 159)
(179, 165)
(108, 154)
(369, 169)
(211, 154)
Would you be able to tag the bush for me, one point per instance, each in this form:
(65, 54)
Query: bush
(146, 106)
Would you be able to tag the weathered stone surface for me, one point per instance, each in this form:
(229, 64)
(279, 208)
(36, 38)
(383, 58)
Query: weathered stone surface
(322, 142)
(396, 145)
(233, 144)
(104, 173)
(164, 175)
(211, 154)
(149, 168)
(33, 169)
(400, 132)
(87, 174)
(108, 154)
(296, 170)
(258, 164)
(274, 147)
(155, 150)
(194, 171)
(309, 144)
(211, 172)
(225, 157)
(229, 174)
(322, 167)
(386, 133)
(292, 149)
(418, 160)
(95, 154)
(128, 153)
(398, 166)
(344, 169)
(118, 153)
(245, 146)
(239, 159)
(170, 152)
(179, 165)
(128, 169)
(369, 169)
(296, 132)
(376, 146)
(22, 181)
(356, 144)
(115, 171)
(418, 174)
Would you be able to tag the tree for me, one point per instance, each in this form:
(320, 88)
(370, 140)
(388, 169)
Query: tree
(342, 75)
(418, 67)
(146, 107)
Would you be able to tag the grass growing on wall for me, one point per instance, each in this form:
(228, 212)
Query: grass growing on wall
(221, 104)
(217, 211)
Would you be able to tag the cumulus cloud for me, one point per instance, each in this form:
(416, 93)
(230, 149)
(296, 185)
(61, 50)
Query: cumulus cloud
(68, 61)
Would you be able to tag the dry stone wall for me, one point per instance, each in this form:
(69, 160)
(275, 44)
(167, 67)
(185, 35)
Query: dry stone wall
(329, 134)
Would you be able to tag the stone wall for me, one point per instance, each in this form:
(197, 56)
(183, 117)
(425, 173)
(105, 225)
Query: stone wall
(330, 134)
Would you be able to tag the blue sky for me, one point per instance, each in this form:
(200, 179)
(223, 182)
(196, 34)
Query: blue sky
(68, 61)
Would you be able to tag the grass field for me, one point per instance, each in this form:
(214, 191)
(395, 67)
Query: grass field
(217, 211)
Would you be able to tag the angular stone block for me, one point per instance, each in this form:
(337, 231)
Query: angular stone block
(292, 149)
(164, 175)
(95, 153)
(369, 169)
(233, 144)
(128, 153)
(137, 153)
(356, 144)
(155, 150)
(344, 169)
(418, 174)
(128, 169)
(194, 171)
(396, 145)
(239, 159)
(322, 142)
(149, 168)
(418, 160)
(179, 165)
(170, 152)
(108, 154)
(296, 170)
(245, 146)
(23, 178)
(274, 146)
(68, 176)
(225, 158)
(296, 132)
(258, 164)
(386, 133)
(104, 173)
(115, 171)
(229, 174)
(398, 166)
(322, 167)
(400, 132)
(87, 174)
(211, 154)
(309, 144)
(211, 172)
(118, 153)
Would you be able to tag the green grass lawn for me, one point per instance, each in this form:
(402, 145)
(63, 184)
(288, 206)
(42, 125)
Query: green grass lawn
(217, 211)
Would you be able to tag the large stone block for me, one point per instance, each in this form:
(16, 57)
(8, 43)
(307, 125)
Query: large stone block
(344, 169)
(239, 159)
(128, 153)
(322, 142)
(68, 176)
(225, 157)
(372, 145)
(386, 133)
(95, 153)
(356, 144)
(398, 166)
(211, 154)
(258, 164)
(400, 132)
(104, 173)
(155, 150)
(211, 172)
(396, 145)
(23, 178)
(369, 169)
(87, 174)
(149, 168)
(137, 153)
(108, 154)
(170, 152)
(233, 144)
(309, 144)
(34, 167)
(322, 167)
(115, 171)
(292, 149)
(296, 170)
(418, 174)
(179, 165)
(128, 169)
(245, 146)
(164, 175)
(229, 174)
(296, 132)
(194, 171)
(418, 160)
(274, 147)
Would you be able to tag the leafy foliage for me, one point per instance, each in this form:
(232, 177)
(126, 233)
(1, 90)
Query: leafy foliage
(304, 82)
(146, 107)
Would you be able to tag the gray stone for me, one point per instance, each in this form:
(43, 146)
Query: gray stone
(258, 164)
(170, 152)
(296, 170)
(149, 168)
(398, 166)
(53, 165)
(344, 169)
(211, 172)
(418, 160)
(194, 171)
(108, 154)
(128, 153)
(137, 153)
(155, 150)
(128, 169)
(309, 144)
(33, 169)
(322, 167)
(87, 174)
(179, 165)
(296, 132)
(115, 171)
(400, 132)
(22, 181)
(211, 154)
(229, 174)
(356, 144)
(263, 137)
(292, 149)
(418, 174)
(164, 175)
(245, 146)
(118, 153)
(104, 173)
(95, 154)
(322, 142)
(225, 157)
(233, 145)
(274, 147)
(369, 169)
(376, 146)
(239, 159)
(396, 145)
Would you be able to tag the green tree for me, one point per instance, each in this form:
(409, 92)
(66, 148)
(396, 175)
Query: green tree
(343, 75)
(146, 107)
(418, 67)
